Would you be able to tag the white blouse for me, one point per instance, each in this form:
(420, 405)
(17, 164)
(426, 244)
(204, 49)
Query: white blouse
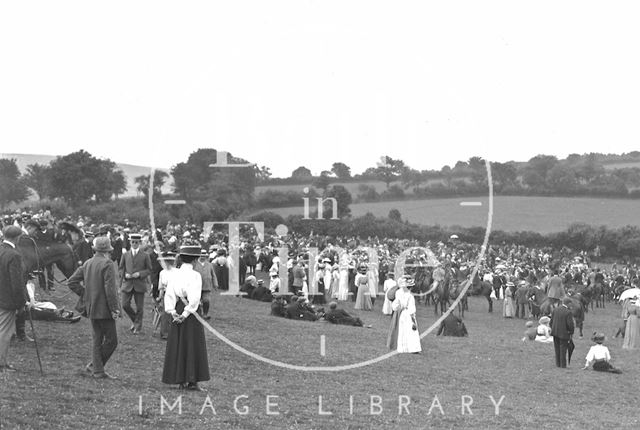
(183, 283)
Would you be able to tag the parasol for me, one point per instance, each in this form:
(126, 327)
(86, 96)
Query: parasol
(629, 294)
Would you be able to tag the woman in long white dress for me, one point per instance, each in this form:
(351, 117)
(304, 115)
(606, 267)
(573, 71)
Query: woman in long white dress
(343, 284)
(388, 284)
(408, 333)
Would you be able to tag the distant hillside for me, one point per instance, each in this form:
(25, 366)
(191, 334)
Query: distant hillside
(130, 171)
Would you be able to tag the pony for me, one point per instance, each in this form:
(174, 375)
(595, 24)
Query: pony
(483, 288)
(546, 307)
(37, 256)
(455, 290)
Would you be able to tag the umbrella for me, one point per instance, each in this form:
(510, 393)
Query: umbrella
(629, 294)
(453, 236)
(570, 349)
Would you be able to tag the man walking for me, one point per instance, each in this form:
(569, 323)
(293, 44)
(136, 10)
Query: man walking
(12, 291)
(99, 275)
(135, 267)
(562, 329)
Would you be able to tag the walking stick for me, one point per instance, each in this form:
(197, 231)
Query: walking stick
(35, 341)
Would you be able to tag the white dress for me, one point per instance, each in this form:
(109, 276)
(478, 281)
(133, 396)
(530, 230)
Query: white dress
(343, 284)
(408, 339)
(386, 307)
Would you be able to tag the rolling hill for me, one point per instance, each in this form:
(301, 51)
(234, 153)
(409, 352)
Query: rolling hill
(130, 171)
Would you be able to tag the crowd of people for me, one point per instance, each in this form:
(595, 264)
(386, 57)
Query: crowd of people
(312, 271)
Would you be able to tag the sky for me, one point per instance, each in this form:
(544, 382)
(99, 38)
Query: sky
(309, 83)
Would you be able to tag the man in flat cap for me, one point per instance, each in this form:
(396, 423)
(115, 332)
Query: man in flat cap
(135, 268)
(95, 281)
(12, 291)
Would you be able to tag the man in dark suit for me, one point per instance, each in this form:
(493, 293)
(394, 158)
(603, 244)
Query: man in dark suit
(452, 326)
(340, 316)
(12, 291)
(117, 245)
(100, 295)
(135, 268)
(83, 248)
(562, 329)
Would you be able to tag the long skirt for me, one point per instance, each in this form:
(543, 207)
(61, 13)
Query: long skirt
(363, 299)
(508, 307)
(185, 358)
(632, 333)
(392, 338)
(408, 338)
(222, 275)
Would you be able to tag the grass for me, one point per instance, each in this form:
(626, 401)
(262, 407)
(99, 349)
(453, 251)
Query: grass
(492, 361)
(510, 213)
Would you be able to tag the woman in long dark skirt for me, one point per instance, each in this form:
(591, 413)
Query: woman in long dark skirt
(185, 360)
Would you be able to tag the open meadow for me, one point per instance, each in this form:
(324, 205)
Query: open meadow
(491, 366)
(510, 213)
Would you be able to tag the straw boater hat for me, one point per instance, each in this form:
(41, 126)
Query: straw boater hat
(135, 236)
(190, 250)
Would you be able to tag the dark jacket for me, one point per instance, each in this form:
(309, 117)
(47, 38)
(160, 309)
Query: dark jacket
(83, 250)
(562, 323)
(13, 293)
(452, 326)
(99, 276)
(340, 316)
(141, 264)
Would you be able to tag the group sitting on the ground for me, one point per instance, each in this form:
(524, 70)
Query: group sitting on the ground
(298, 308)
(254, 289)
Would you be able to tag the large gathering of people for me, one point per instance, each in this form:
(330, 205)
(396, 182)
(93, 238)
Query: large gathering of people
(119, 265)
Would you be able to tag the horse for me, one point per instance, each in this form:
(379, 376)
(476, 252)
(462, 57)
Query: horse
(455, 291)
(546, 307)
(484, 288)
(36, 256)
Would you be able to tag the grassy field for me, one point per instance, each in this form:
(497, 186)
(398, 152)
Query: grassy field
(492, 361)
(352, 187)
(510, 213)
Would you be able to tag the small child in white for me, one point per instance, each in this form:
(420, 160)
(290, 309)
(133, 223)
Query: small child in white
(599, 356)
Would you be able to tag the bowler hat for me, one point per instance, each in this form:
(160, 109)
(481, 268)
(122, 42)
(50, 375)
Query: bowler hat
(11, 232)
(190, 250)
(102, 244)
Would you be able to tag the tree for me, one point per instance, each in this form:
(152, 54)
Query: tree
(301, 173)
(38, 177)
(263, 173)
(322, 182)
(389, 170)
(394, 214)
(343, 198)
(503, 175)
(228, 190)
(80, 177)
(341, 170)
(12, 184)
(159, 179)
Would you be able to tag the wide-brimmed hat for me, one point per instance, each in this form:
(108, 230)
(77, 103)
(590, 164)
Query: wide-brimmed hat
(544, 320)
(32, 223)
(167, 256)
(102, 244)
(190, 250)
(204, 253)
